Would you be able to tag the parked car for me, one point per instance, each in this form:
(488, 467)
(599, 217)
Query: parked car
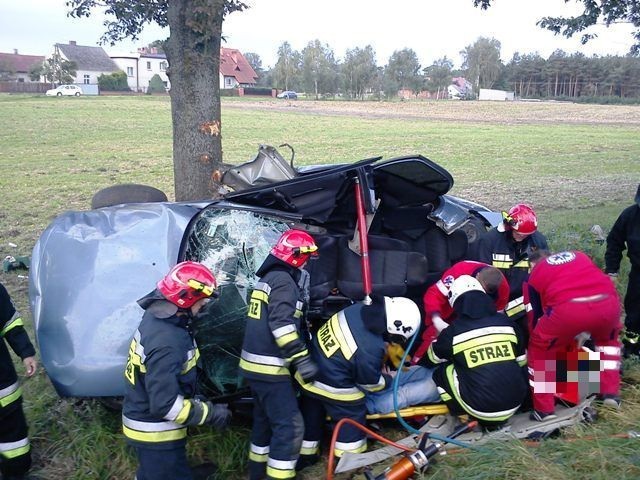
(65, 90)
(288, 94)
(89, 267)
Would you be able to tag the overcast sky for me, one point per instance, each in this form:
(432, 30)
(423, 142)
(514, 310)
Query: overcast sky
(432, 28)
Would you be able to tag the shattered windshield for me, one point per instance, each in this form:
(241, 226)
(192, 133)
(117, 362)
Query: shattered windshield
(233, 244)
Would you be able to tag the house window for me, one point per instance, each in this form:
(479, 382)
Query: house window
(129, 71)
(86, 79)
(163, 66)
(228, 81)
(148, 65)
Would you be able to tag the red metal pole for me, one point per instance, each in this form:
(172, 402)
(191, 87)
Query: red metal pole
(364, 244)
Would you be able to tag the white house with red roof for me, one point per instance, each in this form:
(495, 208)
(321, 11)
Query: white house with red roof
(235, 71)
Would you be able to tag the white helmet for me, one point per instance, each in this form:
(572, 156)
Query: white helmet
(403, 316)
(463, 284)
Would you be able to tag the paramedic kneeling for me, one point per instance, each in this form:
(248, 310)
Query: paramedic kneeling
(479, 358)
(567, 295)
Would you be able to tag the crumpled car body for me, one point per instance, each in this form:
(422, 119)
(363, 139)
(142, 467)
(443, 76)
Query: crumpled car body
(89, 268)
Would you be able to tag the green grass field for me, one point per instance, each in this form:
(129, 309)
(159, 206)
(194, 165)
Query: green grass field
(578, 166)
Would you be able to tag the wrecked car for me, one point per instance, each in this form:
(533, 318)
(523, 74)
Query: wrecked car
(89, 267)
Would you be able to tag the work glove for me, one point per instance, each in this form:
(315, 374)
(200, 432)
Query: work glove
(203, 412)
(219, 416)
(306, 367)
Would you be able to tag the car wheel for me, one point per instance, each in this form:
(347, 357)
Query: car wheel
(59, 94)
(77, 94)
(127, 193)
(474, 229)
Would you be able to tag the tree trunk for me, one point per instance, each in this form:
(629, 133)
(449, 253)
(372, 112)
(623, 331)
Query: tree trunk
(194, 66)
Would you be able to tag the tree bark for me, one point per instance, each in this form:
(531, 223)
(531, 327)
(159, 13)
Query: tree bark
(194, 65)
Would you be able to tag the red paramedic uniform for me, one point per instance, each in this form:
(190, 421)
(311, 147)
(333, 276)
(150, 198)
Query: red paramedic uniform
(436, 300)
(568, 294)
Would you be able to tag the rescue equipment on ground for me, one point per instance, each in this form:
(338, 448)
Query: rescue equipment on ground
(418, 461)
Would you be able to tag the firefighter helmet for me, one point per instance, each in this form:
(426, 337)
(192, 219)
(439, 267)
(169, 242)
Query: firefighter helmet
(186, 283)
(520, 218)
(295, 247)
(463, 284)
(403, 316)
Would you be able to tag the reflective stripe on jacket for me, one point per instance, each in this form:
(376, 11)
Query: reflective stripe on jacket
(481, 366)
(349, 357)
(512, 258)
(13, 334)
(273, 336)
(161, 380)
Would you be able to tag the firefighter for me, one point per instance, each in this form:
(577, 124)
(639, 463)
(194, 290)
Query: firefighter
(626, 233)
(567, 295)
(479, 357)
(349, 349)
(507, 247)
(439, 314)
(161, 398)
(15, 450)
(273, 341)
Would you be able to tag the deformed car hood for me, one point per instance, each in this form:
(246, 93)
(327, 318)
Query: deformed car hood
(87, 271)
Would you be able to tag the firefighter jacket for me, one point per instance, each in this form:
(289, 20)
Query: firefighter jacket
(436, 298)
(480, 360)
(563, 277)
(500, 250)
(273, 334)
(13, 332)
(349, 350)
(625, 230)
(161, 380)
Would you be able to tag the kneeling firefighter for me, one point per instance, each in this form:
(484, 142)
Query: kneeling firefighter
(161, 396)
(480, 358)
(349, 350)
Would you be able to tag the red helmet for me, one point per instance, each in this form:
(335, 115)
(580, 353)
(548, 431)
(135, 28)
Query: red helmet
(295, 247)
(186, 283)
(521, 218)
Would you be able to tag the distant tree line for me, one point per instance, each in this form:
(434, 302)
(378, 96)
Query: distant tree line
(317, 71)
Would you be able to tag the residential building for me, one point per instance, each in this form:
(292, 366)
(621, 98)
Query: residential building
(235, 71)
(140, 67)
(460, 88)
(91, 62)
(15, 67)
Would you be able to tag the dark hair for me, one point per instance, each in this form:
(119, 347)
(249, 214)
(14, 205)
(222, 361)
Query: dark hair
(490, 278)
(538, 254)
